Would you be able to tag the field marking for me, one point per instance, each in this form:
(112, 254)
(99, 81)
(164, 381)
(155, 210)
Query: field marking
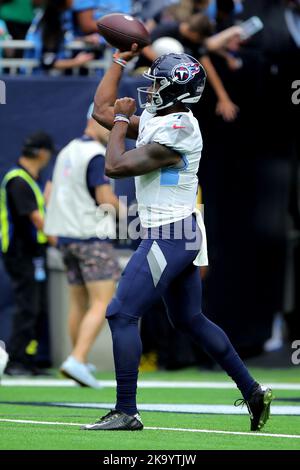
(31, 382)
(234, 433)
(151, 428)
(277, 410)
(195, 408)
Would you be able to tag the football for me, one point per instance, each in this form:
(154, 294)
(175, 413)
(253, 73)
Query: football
(121, 31)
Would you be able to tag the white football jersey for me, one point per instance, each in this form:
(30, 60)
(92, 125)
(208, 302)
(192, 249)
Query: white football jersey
(169, 194)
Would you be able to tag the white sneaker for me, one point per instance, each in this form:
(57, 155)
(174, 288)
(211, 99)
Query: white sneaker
(79, 372)
(91, 367)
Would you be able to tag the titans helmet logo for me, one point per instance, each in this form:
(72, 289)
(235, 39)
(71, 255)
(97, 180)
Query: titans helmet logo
(183, 73)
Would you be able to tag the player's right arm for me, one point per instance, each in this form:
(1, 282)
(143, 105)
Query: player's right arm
(145, 159)
(106, 96)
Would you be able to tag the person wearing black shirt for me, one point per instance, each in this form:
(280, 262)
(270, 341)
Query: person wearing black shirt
(23, 246)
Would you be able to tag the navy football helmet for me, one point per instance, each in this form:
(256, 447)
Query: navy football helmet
(175, 78)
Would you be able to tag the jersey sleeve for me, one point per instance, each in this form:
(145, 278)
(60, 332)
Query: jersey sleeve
(175, 132)
(21, 196)
(96, 172)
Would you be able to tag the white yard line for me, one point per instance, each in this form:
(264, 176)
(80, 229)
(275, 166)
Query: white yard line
(196, 408)
(206, 431)
(31, 382)
(277, 410)
(234, 433)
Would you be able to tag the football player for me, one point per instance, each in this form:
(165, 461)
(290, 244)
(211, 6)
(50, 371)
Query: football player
(165, 165)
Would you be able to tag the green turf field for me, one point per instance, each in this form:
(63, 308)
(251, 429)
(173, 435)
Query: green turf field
(38, 432)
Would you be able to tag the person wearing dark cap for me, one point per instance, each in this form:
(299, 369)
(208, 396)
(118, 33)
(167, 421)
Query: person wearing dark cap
(23, 246)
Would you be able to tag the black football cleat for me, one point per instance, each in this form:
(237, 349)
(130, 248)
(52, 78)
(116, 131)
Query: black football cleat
(258, 406)
(116, 421)
(16, 369)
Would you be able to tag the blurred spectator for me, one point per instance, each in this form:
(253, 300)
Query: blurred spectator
(152, 11)
(3, 35)
(183, 10)
(292, 17)
(18, 15)
(23, 245)
(87, 12)
(166, 45)
(50, 36)
(249, 165)
(220, 11)
(75, 215)
(196, 37)
(223, 11)
(3, 30)
(280, 44)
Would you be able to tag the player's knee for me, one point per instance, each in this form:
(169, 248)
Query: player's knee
(120, 322)
(116, 318)
(113, 308)
(187, 324)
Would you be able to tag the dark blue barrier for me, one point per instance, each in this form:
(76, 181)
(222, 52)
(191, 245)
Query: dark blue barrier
(58, 106)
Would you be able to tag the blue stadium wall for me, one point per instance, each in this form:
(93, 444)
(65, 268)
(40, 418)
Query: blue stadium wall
(58, 107)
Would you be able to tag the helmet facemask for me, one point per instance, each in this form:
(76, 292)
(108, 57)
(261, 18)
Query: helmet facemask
(149, 97)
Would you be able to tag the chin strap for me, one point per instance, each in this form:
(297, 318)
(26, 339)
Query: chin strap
(176, 100)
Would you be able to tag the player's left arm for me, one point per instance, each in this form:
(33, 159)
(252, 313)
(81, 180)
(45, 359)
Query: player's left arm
(150, 157)
(106, 95)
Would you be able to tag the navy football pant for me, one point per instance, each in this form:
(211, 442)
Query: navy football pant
(163, 268)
